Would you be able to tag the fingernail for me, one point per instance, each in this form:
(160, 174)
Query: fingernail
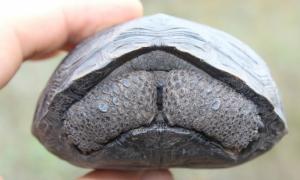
(157, 175)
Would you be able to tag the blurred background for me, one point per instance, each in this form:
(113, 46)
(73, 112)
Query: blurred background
(270, 27)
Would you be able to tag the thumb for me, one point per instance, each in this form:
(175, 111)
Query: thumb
(128, 175)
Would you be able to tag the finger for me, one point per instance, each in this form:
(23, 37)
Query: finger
(128, 175)
(112, 175)
(37, 27)
(46, 55)
(157, 175)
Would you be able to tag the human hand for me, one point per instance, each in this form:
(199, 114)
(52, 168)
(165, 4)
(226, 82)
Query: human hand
(128, 175)
(37, 29)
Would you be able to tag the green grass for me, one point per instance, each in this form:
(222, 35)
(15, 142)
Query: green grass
(272, 28)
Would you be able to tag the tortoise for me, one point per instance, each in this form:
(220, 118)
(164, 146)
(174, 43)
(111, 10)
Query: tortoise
(160, 92)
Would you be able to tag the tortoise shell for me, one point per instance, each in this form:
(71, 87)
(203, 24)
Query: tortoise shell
(159, 92)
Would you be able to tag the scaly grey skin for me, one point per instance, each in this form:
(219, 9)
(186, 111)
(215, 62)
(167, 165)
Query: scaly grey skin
(160, 92)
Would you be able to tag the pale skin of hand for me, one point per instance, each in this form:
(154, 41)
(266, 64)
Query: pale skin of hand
(37, 29)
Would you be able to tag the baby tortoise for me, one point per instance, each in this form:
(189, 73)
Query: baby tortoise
(160, 92)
